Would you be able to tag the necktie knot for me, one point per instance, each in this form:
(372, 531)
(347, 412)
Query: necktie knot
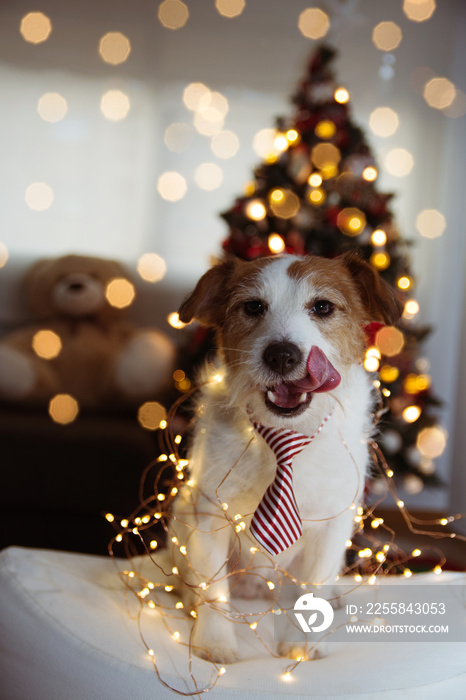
(276, 523)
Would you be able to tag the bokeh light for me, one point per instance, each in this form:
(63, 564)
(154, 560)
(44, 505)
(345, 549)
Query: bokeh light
(370, 173)
(325, 129)
(317, 196)
(210, 112)
(114, 48)
(39, 196)
(173, 14)
(46, 344)
(439, 93)
(411, 413)
(171, 186)
(115, 105)
(276, 243)
(315, 180)
(430, 223)
(379, 237)
(284, 203)
(411, 309)
(151, 267)
(151, 414)
(387, 36)
(313, 23)
(415, 383)
(341, 95)
(208, 122)
(324, 154)
(404, 282)
(431, 442)
(419, 10)
(293, 136)
(389, 340)
(264, 143)
(63, 409)
(412, 483)
(384, 121)
(52, 107)
(371, 363)
(351, 221)
(174, 320)
(35, 27)
(255, 210)
(280, 142)
(225, 144)
(213, 105)
(178, 137)
(193, 93)
(380, 260)
(4, 255)
(389, 374)
(208, 176)
(399, 162)
(120, 292)
(230, 8)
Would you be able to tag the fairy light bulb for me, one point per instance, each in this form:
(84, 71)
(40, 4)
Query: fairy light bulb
(256, 210)
(293, 136)
(411, 413)
(341, 95)
(379, 237)
(315, 180)
(404, 282)
(370, 173)
(276, 243)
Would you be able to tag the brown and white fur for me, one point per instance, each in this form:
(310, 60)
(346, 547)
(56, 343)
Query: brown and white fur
(290, 304)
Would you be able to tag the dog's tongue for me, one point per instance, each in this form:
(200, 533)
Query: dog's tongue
(322, 375)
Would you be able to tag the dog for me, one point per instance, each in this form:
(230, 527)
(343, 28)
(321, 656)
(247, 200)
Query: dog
(290, 334)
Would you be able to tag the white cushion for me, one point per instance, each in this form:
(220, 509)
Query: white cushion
(65, 635)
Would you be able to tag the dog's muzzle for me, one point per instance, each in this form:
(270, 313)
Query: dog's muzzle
(293, 397)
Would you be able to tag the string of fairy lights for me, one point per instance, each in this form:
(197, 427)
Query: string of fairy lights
(373, 554)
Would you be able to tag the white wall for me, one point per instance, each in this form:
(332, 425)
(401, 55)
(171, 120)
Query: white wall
(104, 175)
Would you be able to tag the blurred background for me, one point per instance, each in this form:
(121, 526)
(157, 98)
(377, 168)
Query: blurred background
(127, 128)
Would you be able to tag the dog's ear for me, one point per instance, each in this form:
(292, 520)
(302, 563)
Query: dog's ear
(379, 298)
(206, 303)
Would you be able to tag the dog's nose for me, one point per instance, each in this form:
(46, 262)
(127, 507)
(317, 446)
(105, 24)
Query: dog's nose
(282, 357)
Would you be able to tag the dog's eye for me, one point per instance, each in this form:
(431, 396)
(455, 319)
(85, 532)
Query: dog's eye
(254, 307)
(323, 307)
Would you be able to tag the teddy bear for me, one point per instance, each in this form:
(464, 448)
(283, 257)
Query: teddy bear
(81, 343)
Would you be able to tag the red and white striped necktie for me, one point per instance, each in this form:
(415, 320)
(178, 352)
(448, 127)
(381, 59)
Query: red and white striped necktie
(276, 523)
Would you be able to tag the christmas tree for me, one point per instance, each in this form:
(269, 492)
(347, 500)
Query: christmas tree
(316, 193)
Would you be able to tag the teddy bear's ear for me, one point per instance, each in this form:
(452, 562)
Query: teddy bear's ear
(207, 302)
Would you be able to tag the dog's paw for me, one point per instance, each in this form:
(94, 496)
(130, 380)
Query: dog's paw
(220, 651)
(250, 587)
(214, 637)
